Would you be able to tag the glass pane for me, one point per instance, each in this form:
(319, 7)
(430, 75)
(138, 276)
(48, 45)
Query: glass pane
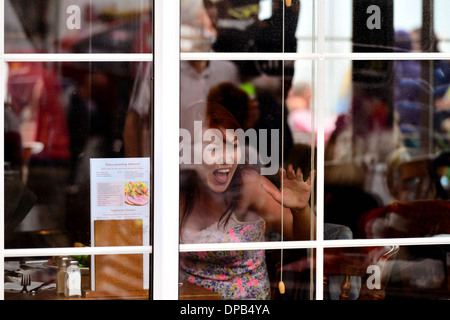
(58, 117)
(246, 275)
(387, 26)
(244, 25)
(358, 273)
(420, 273)
(234, 137)
(106, 277)
(247, 122)
(387, 273)
(107, 26)
(338, 25)
(388, 155)
(442, 25)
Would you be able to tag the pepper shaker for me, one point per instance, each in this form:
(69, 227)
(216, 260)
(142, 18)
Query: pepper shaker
(61, 274)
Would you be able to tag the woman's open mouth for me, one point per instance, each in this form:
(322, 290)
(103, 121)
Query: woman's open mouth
(221, 175)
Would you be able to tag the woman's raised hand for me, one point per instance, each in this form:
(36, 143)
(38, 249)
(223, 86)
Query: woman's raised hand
(294, 192)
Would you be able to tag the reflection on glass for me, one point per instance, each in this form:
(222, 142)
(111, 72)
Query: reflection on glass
(390, 143)
(214, 275)
(234, 135)
(222, 189)
(387, 273)
(358, 273)
(109, 26)
(114, 277)
(421, 272)
(239, 26)
(57, 117)
(231, 149)
(362, 26)
(441, 25)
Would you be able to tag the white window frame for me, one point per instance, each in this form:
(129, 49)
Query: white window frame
(167, 56)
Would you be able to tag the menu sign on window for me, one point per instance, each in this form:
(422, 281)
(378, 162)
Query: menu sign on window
(120, 190)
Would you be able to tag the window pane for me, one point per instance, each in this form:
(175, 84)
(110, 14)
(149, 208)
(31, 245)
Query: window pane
(108, 26)
(387, 273)
(338, 25)
(442, 25)
(114, 277)
(58, 117)
(420, 272)
(222, 198)
(390, 144)
(358, 273)
(387, 26)
(242, 26)
(248, 122)
(246, 275)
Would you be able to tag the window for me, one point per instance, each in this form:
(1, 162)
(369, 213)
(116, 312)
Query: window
(355, 91)
(75, 83)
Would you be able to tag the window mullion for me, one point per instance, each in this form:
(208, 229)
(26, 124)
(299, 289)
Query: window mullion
(2, 155)
(63, 251)
(166, 148)
(320, 174)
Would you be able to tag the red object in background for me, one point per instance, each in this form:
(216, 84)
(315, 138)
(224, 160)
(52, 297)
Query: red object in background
(421, 218)
(36, 97)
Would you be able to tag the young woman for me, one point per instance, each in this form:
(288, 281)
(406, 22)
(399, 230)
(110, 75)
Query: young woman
(222, 200)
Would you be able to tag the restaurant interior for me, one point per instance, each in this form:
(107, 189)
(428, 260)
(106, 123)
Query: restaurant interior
(385, 158)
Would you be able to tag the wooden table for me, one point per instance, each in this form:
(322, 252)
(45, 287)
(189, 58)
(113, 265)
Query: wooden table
(188, 291)
(44, 273)
(50, 294)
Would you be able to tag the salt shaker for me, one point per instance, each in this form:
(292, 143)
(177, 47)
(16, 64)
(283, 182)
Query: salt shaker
(73, 280)
(61, 275)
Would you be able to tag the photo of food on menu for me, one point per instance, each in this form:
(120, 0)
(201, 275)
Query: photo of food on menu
(136, 193)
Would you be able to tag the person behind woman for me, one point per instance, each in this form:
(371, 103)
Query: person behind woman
(222, 200)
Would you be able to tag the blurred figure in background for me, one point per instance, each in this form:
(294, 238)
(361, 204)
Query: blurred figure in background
(300, 116)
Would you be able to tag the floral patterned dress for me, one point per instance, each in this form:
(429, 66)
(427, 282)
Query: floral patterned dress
(240, 274)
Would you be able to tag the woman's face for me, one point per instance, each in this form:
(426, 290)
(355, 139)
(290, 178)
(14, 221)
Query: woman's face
(221, 155)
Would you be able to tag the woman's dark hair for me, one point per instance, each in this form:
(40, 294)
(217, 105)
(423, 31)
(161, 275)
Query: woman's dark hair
(233, 99)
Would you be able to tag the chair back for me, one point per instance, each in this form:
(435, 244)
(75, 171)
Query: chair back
(372, 266)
